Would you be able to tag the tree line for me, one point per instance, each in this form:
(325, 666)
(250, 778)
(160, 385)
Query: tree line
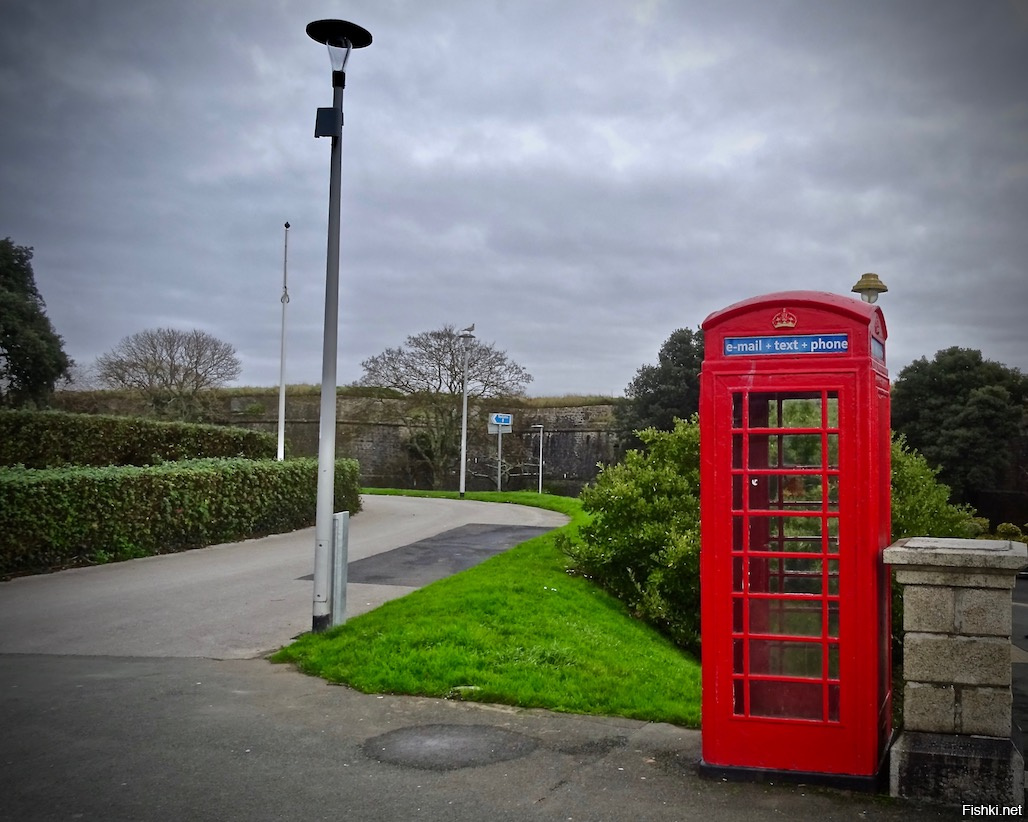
(967, 415)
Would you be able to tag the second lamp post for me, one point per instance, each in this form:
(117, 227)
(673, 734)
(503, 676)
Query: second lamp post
(340, 37)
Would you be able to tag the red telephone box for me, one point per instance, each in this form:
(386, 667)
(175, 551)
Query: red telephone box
(795, 489)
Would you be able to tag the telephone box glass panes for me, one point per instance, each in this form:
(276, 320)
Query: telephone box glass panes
(789, 575)
(795, 534)
(785, 567)
(777, 657)
(794, 451)
(786, 617)
(789, 410)
(783, 492)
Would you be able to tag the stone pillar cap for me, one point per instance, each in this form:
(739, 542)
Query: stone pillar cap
(934, 552)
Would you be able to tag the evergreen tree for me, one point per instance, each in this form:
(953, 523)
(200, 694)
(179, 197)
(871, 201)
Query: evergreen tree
(671, 389)
(32, 357)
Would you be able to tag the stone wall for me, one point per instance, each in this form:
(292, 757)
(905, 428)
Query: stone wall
(576, 438)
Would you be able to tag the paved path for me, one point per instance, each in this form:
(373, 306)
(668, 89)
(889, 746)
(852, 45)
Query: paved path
(232, 601)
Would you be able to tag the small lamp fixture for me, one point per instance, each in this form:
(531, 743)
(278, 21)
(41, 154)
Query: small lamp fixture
(869, 287)
(340, 36)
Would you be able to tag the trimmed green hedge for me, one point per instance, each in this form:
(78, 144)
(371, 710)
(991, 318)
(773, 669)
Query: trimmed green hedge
(56, 518)
(49, 439)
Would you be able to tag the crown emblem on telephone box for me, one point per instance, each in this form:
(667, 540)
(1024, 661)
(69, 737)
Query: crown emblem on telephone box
(784, 319)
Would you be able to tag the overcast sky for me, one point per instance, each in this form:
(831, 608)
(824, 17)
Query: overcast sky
(578, 178)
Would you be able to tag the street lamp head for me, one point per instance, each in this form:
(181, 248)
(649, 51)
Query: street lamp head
(869, 287)
(340, 36)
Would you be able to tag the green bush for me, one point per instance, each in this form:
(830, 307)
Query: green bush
(642, 543)
(920, 503)
(49, 439)
(60, 517)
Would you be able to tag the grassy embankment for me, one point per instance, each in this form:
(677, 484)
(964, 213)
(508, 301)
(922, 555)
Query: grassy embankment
(516, 630)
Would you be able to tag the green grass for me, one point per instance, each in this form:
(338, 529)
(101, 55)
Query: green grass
(516, 630)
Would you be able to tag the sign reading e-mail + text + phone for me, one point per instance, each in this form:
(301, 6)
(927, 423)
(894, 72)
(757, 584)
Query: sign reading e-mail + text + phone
(787, 344)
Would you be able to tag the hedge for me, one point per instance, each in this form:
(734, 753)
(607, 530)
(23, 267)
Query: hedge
(49, 439)
(55, 518)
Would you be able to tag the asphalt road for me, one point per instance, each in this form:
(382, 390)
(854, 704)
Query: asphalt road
(234, 601)
(136, 692)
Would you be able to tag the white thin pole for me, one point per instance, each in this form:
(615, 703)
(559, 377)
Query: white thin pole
(284, 299)
(499, 458)
(327, 434)
(540, 427)
(464, 421)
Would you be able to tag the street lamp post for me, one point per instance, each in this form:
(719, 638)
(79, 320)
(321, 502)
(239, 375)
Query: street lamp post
(340, 37)
(466, 336)
(282, 354)
(539, 425)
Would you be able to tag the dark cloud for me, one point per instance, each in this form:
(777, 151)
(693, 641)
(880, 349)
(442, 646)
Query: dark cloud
(579, 179)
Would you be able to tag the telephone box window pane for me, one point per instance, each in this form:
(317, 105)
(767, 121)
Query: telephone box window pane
(758, 576)
(793, 534)
(832, 537)
(737, 615)
(833, 451)
(833, 577)
(790, 450)
(786, 700)
(739, 697)
(738, 658)
(833, 618)
(737, 451)
(795, 576)
(832, 407)
(800, 413)
(786, 617)
(763, 451)
(798, 490)
(737, 534)
(736, 410)
(833, 661)
(737, 574)
(777, 657)
(833, 493)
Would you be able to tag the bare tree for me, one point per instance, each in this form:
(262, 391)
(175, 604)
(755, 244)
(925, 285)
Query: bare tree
(172, 369)
(429, 371)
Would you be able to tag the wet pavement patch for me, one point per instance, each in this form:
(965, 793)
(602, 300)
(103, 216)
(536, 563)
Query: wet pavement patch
(440, 556)
(448, 747)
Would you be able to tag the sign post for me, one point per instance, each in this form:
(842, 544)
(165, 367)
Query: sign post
(500, 424)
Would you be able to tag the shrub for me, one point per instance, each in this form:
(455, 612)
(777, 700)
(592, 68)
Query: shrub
(642, 543)
(920, 503)
(48, 439)
(54, 518)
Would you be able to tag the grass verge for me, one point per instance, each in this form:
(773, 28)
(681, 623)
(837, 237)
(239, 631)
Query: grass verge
(515, 630)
